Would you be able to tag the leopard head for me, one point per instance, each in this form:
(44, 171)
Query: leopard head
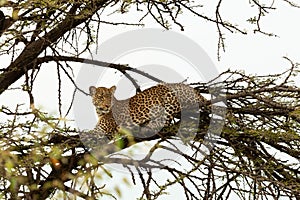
(102, 98)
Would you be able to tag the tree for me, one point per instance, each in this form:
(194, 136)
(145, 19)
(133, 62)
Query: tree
(43, 155)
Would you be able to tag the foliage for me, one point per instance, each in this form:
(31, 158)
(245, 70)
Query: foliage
(42, 155)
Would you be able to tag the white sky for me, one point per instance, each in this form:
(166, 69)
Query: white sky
(254, 53)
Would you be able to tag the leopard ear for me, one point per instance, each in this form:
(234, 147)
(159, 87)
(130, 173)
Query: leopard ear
(92, 90)
(112, 89)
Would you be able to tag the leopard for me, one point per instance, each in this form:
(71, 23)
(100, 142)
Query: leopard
(147, 111)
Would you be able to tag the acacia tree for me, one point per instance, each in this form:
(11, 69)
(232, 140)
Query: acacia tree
(42, 155)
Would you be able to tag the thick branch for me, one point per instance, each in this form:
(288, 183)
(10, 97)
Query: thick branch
(24, 62)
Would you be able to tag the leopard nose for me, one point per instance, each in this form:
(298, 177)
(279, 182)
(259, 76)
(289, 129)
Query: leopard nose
(107, 106)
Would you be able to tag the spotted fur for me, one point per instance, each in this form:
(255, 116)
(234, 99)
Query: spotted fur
(151, 109)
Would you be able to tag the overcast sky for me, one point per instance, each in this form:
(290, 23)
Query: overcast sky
(254, 53)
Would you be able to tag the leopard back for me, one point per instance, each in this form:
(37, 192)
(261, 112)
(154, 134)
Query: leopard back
(153, 108)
